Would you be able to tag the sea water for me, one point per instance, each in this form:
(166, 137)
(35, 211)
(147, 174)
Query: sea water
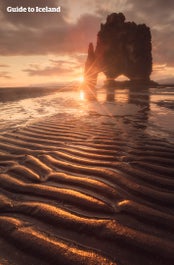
(152, 108)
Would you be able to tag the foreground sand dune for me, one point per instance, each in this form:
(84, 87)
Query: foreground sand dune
(75, 191)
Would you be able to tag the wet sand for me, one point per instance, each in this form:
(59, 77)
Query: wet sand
(88, 189)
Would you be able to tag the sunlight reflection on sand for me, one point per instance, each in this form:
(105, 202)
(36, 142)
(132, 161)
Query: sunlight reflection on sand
(138, 106)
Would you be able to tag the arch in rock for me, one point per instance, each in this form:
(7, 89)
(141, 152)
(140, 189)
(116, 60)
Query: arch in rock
(123, 48)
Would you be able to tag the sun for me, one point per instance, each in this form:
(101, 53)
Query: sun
(80, 79)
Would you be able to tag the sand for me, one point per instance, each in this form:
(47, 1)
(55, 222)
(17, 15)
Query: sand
(89, 189)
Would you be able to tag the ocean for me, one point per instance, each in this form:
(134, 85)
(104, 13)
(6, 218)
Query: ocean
(151, 109)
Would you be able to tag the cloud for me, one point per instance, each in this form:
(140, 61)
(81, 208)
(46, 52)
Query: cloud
(163, 46)
(56, 67)
(159, 67)
(56, 39)
(4, 74)
(42, 34)
(4, 65)
(29, 19)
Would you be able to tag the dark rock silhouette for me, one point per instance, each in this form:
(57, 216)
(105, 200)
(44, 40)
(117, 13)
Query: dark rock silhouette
(123, 48)
(91, 69)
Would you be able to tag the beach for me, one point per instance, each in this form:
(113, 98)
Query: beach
(87, 178)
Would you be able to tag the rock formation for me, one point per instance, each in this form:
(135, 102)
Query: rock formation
(123, 48)
(91, 70)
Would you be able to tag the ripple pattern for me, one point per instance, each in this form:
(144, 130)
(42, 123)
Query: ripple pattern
(83, 192)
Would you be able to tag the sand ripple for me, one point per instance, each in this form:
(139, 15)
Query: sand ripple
(78, 192)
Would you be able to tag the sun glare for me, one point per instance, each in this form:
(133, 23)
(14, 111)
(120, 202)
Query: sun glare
(81, 79)
(82, 95)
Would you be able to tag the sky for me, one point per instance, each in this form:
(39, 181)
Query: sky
(48, 48)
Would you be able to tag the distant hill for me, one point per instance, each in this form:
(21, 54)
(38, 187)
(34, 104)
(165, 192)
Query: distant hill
(166, 81)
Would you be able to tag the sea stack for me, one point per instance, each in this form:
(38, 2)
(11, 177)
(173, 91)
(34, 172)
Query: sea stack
(123, 48)
(91, 69)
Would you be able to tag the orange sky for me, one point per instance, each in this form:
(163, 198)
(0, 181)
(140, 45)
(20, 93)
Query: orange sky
(50, 48)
